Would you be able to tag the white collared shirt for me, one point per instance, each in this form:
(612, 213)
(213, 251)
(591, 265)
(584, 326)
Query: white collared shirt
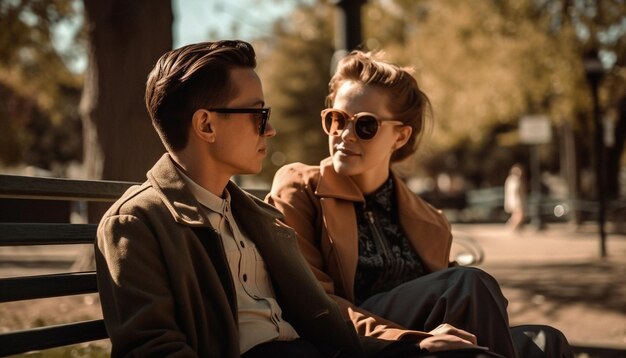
(260, 316)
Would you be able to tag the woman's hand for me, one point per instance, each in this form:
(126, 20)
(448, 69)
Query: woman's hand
(447, 337)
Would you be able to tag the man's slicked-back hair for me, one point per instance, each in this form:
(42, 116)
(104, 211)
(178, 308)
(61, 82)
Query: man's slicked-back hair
(190, 78)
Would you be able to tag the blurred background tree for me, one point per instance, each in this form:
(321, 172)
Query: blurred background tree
(39, 94)
(125, 39)
(484, 64)
(294, 65)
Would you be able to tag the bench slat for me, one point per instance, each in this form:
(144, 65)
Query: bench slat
(43, 286)
(46, 234)
(51, 336)
(14, 186)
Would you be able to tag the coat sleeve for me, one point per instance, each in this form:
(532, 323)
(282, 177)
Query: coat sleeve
(137, 301)
(292, 193)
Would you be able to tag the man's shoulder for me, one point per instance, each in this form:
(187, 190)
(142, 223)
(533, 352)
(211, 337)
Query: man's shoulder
(135, 200)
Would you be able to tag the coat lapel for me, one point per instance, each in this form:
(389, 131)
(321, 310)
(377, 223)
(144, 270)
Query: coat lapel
(421, 223)
(338, 194)
(425, 227)
(212, 244)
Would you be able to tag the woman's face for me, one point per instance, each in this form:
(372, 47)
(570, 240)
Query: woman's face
(367, 160)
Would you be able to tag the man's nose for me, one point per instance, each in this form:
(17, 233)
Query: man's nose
(270, 131)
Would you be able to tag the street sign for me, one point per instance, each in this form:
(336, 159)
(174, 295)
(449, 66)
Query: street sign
(535, 129)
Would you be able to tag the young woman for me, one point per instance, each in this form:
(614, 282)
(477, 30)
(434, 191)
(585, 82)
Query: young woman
(377, 249)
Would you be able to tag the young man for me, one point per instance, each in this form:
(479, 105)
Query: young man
(191, 265)
(188, 263)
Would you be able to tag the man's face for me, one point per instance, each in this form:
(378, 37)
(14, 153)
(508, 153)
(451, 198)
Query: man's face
(238, 148)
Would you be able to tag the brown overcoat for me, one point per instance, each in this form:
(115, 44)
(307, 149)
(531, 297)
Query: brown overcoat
(164, 282)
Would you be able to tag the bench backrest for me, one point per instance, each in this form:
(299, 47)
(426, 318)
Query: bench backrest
(51, 285)
(58, 284)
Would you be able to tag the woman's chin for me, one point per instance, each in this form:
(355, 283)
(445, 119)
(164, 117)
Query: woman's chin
(343, 168)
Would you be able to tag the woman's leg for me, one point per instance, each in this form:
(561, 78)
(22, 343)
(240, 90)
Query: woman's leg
(465, 297)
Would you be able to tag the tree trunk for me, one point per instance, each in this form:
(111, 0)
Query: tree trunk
(125, 38)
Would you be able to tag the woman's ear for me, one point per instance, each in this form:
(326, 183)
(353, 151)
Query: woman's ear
(202, 125)
(404, 134)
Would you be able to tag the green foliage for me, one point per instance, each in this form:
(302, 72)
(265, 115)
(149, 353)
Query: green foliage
(295, 69)
(39, 94)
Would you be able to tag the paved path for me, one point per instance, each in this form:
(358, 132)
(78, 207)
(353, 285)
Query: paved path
(556, 277)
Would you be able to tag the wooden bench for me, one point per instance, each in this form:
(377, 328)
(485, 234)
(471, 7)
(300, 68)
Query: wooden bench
(62, 284)
(67, 283)
(57, 284)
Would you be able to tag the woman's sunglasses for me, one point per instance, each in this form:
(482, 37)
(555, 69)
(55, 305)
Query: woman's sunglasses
(335, 121)
(261, 115)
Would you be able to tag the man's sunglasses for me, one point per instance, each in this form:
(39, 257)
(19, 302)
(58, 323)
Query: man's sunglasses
(262, 115)
(335, 121)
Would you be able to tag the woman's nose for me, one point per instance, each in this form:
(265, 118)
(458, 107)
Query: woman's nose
(348, 133)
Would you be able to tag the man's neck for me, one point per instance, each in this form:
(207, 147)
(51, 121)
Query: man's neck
(202, 173)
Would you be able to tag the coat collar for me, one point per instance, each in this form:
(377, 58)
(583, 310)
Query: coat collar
(184, 207)
(334, 185)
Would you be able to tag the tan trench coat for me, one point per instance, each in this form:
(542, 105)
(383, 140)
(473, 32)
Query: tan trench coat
(319, 204)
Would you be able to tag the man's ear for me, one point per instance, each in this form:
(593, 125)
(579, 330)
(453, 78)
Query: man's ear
(202, 125)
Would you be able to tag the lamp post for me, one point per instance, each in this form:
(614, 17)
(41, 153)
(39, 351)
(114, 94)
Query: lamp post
(348, 24)
(594, 73)
(347, 28)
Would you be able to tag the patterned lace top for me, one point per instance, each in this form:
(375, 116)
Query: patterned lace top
(386, 257)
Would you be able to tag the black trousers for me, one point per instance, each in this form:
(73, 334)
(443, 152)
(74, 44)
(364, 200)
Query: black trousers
(470, 299)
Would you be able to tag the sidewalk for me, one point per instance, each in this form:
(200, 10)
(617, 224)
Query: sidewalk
(556, 277)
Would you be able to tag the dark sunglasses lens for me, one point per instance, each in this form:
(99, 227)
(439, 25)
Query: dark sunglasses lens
(262, 118)
(265, 116)
(366, 127)
(334, 123)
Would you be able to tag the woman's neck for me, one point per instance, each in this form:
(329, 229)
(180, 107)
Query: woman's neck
(369, 182)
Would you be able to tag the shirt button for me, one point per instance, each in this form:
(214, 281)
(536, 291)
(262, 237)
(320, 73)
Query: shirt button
(245, 277)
